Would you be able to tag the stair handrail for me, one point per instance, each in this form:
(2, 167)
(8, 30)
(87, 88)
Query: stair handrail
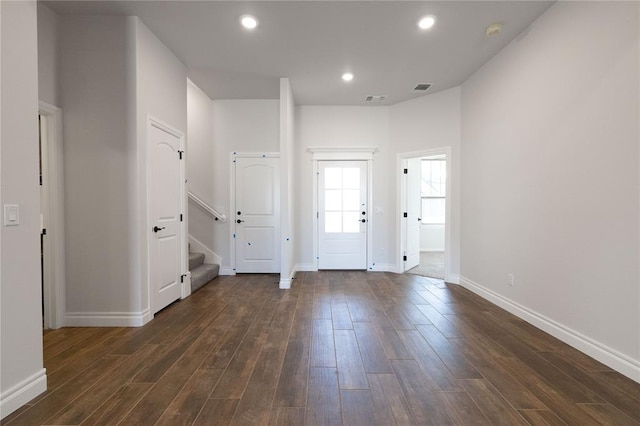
(213, 212)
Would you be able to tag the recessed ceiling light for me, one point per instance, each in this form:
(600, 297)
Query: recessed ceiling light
(493, 29)
(347, 76)
(249, 22)
(427, 22)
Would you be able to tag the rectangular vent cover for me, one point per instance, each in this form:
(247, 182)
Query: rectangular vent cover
(376, 98)
(422, 86)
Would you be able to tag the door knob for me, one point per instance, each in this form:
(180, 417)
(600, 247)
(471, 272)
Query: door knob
(363, 220)
(239, 221)
(156, 229)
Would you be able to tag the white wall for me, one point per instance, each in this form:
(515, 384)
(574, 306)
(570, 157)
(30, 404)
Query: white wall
(431, 237)
(238, 126)
(23, 376)
(550, 173)
(426, 123)
(326, 126)
(97, 72)
(161, 92)
(48, 55)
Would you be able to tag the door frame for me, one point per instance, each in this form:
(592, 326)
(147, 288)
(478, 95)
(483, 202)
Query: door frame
(337, 153)
(402, 205)
(232, 201)
(186, 283)
(54, 271)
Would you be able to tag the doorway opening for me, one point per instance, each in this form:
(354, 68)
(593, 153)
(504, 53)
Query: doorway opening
(425, 223)
(51, 215)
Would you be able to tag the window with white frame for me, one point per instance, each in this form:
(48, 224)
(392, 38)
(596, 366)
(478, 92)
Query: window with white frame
(433, 190)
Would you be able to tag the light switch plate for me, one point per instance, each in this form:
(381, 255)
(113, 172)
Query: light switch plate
(11, 215)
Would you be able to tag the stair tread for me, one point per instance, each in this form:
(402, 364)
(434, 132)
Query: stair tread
(203, 274)
(195, 260)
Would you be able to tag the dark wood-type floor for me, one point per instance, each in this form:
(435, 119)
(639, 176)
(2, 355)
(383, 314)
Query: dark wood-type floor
(350, 348)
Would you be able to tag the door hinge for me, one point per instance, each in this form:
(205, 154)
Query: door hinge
(317, 215)
(406, 171)
(180, 217)
(44, 231)
(180, 154)
(404, 258)
(182, 277)
(40, 180)
(404, 214)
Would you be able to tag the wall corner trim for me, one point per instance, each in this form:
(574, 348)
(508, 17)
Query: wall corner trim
(18, 395)
(618, 361)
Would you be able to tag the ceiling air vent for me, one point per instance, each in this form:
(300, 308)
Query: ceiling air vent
(376, 98)
(422, 86)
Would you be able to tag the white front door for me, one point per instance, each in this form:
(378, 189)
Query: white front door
(166, 192)
(414, 204)
(342, 215)
(257, 218)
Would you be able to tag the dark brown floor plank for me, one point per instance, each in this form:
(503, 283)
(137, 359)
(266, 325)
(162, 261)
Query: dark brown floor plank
(118, 405)
(393, 346)
(495, 408)
(436, 372)
(371, 350)
(390, 404)
(323, 351)
(458, 364)
(357, 408)
(287, 416)
(425, 407)
(340, 316)
(462, 409)
(608, 414)
(351, 373)
(541, 417)
(216, 412)
(323, 404)
(185, 407)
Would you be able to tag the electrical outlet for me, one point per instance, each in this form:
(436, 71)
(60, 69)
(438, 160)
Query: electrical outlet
(510, 280)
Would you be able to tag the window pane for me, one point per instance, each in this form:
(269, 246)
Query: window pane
(332, 222)
(333, 199)
(333, 177)
(351, 177)
(351, 222)
(433, 210)
(351, 199)
(434, 176)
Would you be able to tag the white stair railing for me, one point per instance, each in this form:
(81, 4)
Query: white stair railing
(213, 212)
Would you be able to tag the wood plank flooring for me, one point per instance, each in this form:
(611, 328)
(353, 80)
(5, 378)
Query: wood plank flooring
(350, 348)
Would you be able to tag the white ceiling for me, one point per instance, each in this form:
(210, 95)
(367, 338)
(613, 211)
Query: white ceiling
(314, 42)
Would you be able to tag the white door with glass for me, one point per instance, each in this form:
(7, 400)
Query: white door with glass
(166, 192)
(342, 215)
(257, 215)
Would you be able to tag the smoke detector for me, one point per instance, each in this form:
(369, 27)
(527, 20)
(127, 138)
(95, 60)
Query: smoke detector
(375, 98)
(422, 86)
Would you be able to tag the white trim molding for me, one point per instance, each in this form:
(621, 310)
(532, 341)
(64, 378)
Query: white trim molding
(18, 395)
(107, 319)
(306, 267)
(209, 255)
(227, 270)
(382, 267)
(599, 351)
(342, 152)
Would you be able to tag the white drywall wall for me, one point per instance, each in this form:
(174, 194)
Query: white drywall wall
(22, 375)
(550, 173)
(238, 126)
(338, 126)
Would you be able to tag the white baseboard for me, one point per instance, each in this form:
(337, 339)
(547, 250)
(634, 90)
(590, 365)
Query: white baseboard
(306, 267)
(209, 255)
(453, 279)
(606, 355)
(107, 319)
(382, 267)
(18, 395)
(227, 270)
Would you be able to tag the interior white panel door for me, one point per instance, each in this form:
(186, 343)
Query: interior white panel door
(257, 214)
(414, 206)
(342, 215)
(165, 207)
